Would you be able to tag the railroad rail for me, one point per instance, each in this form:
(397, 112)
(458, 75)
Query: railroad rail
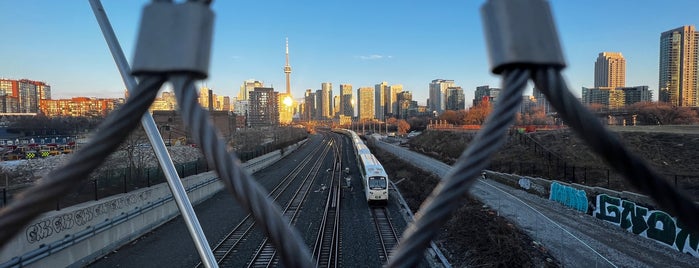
(227, 246)
(328, 242)
(266, 254)
(388, 238)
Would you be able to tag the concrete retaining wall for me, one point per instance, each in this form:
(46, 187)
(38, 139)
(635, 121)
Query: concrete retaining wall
(542, 188)
(77, 235)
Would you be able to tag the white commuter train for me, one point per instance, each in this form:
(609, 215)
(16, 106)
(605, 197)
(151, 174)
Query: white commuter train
(374, 177)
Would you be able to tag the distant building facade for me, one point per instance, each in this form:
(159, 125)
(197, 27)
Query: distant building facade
(264, 110)
(455, 99)
(22, 96)
(365, 103)
(437, 94)
(679, 67)
(380, 100)
(610, 70)
(485, 93)
(346, 100)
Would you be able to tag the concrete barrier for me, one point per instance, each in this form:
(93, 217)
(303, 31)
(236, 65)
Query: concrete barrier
(77, 235)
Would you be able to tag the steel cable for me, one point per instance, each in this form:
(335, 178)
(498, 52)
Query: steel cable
(237, 180)
(445, 198)
(609, 147)
(112, 132)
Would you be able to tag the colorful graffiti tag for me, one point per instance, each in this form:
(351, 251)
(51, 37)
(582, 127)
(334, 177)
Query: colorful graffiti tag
(569, 196)
(653, 224)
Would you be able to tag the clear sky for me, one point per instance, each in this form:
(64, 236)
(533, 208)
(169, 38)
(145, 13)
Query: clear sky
(361, 42)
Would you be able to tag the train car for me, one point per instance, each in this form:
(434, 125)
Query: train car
(375, 179)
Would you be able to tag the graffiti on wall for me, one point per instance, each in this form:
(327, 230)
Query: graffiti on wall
(652, 224)
(525, 183)
(569, 196)
(57, 224)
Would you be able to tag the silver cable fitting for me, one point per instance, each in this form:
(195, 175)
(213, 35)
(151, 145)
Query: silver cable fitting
(521, 32)
(174, 38)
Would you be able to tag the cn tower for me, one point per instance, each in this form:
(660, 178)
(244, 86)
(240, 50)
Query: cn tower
(287, 69)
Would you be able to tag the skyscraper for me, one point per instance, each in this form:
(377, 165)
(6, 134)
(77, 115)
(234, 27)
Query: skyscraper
(610, 70)
(679, 66)
(380, 100)
(391, 104)
(327, 99)
(247, 86)
(309, 109)
(346, 104)
(438, 92)
(365, 103)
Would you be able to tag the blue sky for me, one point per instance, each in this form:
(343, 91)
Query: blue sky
(358, 42)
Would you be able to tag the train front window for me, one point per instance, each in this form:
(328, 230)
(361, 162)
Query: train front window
(377, 183)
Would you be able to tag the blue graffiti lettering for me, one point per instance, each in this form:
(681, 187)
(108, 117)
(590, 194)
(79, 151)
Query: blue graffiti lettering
(569, 196)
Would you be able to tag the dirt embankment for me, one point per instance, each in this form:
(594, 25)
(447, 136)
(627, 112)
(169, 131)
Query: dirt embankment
(475, 235)
(562, 155)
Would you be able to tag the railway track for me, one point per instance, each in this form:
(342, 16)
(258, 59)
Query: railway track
(231, 242)
(388, 238)
(266, 254)
(327, 247)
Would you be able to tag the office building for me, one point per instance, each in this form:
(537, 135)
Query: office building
(346, 100)
(326, 100)
(365, 103)
(391, 99)
(380, 100)
(438, 93)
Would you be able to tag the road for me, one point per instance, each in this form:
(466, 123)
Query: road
(575, 239)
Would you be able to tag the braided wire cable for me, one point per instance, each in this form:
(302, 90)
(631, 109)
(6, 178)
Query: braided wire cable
(237, 180)
(609, 147)
(444, 199)
(112, 132)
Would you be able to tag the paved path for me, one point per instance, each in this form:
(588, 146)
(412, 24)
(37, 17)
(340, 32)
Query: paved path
(575, 239)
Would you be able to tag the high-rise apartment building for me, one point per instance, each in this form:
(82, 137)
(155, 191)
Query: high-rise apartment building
(455, 99)
(679, 66)
(610, 70)
(326, 100)
(438, 93)
(346, 103)
(365, 103)
(263, 107)
(485, 93)
(22, 96)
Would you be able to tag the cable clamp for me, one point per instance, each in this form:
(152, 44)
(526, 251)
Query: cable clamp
(174, 38)
(520, 32)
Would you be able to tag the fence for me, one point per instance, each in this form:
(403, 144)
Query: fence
(113, 181)
(591, 176)
(124, 180)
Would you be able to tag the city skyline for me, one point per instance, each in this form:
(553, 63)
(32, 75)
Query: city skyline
(398, 46)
